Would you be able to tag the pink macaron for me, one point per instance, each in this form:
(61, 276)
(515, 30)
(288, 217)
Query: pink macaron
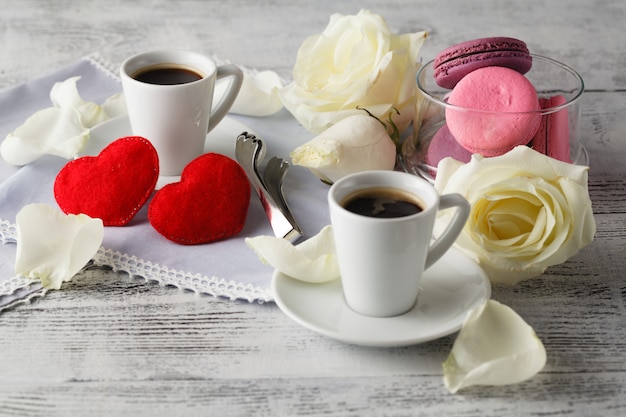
(493, 110)
(552, 137)
(455, 62)
(443, 145)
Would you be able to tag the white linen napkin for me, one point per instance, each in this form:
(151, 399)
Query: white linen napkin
(227, 268)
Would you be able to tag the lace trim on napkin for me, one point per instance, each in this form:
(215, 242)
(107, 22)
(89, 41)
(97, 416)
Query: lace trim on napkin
(135, 267)
(198, 283)
(19, 290)
(8, 232)
(103, 65)
(15, 284)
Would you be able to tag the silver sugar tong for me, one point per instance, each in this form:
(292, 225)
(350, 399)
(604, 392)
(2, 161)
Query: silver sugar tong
(250, 151)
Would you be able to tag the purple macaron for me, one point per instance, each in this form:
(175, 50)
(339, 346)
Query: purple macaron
(455, 62)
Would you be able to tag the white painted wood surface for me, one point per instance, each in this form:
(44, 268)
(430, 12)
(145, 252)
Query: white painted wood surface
(108, 345)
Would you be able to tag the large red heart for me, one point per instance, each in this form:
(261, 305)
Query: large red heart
(112, 186)
(209, 203)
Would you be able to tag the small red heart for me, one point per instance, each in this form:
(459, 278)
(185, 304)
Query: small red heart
(112, 186)
(209, 203)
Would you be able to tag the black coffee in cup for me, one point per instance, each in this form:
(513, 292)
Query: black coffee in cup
(382, 203)
(167, 74)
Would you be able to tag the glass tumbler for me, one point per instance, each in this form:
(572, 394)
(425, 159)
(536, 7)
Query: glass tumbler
(550, 78)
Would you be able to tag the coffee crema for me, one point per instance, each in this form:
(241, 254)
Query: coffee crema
(167, 74)
(382, 202)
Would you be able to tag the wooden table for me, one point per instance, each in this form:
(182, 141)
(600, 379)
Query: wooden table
(109, 345)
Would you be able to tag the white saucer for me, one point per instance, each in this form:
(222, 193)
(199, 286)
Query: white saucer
(450, 288)
(219, 140)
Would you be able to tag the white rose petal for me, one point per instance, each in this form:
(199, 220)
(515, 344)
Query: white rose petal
(494, 347)
(258, 95)
(355, 61)
(54, 131)
(313, 260)
(115, 106)
(19, 152)
(61, 130)
(53, 247)
(354, 144)
(529, 211)
(65, 95)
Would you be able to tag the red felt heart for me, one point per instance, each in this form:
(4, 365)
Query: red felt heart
(112, 186)
(209, 203)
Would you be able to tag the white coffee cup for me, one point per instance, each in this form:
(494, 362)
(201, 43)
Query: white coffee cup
(176, 118)
(381, 260)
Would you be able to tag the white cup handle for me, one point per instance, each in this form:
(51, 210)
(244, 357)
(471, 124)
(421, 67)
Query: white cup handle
(454, 228)
(219, 111)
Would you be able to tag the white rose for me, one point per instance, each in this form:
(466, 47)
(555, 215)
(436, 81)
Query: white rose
(355, 61)
(354, 144)
(529, 211)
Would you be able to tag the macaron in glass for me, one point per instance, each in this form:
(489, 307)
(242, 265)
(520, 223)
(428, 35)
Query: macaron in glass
(552, 137)
(444, 145)
(493, 109)
(548, 123)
